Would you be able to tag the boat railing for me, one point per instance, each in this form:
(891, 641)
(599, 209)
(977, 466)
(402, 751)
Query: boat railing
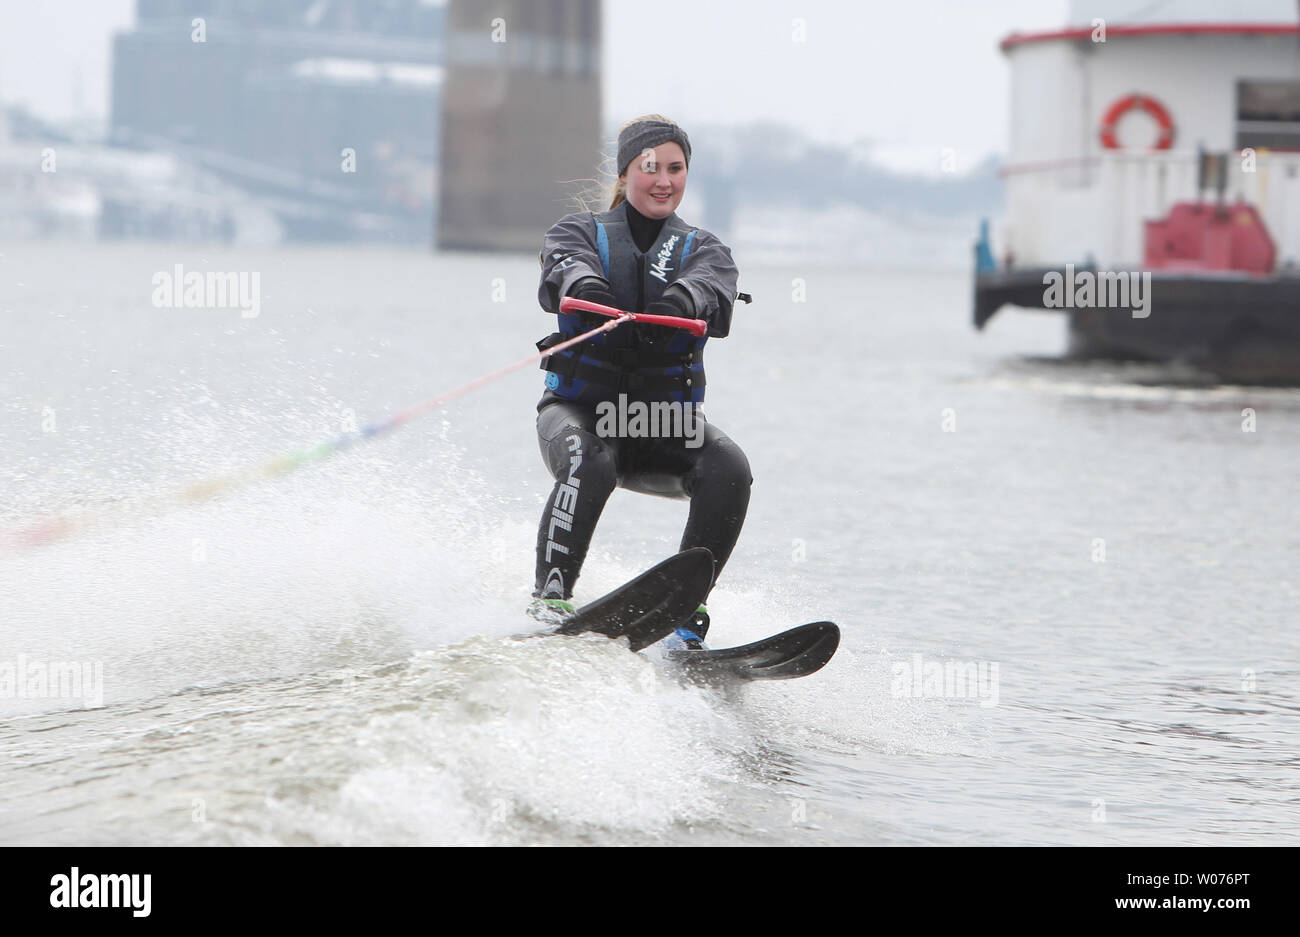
(1091, 210)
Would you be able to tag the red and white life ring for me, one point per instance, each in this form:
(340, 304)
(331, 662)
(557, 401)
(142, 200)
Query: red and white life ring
(1141, 102)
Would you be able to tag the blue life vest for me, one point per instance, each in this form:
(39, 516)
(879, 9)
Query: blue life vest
(614, 362)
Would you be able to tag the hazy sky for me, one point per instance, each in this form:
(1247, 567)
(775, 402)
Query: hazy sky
(912, 77)
(909, 77)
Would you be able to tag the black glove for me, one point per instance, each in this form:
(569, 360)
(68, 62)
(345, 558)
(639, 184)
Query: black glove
(675, 302)
(593, 290)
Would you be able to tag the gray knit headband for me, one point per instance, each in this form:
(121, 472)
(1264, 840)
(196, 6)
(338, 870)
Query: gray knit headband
(647, 134)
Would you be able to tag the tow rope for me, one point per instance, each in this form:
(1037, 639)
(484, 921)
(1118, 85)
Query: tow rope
(53, 529)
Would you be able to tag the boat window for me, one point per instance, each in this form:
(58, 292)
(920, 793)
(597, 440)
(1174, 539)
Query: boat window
(1268, 114)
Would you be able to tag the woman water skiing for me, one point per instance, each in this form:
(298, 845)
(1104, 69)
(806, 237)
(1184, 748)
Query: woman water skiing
(639, 257)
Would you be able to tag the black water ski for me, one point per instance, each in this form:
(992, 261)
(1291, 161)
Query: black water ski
(794, 653)
(651, 606)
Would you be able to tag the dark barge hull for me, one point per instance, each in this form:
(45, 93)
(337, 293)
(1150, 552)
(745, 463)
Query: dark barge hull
(1240, 328)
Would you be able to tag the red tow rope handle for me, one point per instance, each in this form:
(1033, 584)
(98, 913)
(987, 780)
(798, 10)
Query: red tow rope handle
(696, 327)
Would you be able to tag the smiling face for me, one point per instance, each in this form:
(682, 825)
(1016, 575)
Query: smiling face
(656, 180)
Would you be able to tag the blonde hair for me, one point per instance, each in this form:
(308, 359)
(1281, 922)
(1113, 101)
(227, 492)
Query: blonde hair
(612, 187)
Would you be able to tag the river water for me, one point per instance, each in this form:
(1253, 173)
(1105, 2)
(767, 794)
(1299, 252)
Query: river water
(331, 655)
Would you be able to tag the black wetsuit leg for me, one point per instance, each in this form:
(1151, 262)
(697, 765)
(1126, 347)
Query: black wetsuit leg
(713, 473)
(584, 467)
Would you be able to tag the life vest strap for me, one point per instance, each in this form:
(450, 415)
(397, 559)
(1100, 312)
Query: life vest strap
(623, 380)
(630, 359)
(625, 359)
(561, 364)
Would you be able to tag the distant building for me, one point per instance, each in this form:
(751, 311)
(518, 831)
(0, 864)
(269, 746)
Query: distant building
(327, 110)
(520, 118)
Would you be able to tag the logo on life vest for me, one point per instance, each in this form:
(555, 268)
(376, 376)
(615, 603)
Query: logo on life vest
(660, 269)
